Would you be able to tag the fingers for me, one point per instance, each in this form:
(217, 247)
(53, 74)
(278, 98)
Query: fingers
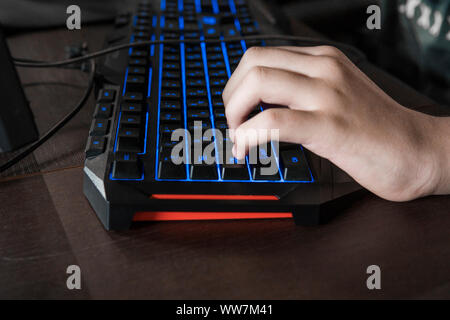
(275, 124)
(327, 51)
(271, 86)
(272, 57)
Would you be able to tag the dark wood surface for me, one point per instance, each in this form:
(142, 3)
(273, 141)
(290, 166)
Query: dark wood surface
(46, 225)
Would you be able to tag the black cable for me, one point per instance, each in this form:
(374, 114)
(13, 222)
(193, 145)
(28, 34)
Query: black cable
(58, 125)
(305, 40)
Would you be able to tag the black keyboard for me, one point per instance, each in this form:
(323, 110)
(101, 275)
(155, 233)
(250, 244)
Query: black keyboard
(151, 92)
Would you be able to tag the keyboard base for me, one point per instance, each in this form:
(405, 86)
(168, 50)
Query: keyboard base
(120, 216)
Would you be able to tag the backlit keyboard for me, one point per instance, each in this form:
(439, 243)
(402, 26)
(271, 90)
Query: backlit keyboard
(151, 92)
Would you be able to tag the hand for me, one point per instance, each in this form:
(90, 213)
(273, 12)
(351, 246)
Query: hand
(337, 112)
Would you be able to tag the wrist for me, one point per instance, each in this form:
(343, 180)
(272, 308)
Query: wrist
(441, 133)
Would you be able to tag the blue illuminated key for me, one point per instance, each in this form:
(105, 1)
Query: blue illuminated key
(198, 92)
(197, 103)
(218, 73)
(170, 105)
(170, 117)
(294, 165)
(173, 94)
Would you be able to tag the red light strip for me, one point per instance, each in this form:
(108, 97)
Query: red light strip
(180, 215)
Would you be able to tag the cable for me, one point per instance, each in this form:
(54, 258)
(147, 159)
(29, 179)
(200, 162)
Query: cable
(58, 125)
(311, 41)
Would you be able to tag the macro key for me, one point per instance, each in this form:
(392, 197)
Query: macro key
(107, 95)
(95, 146)
(99, 127)
(103, 110)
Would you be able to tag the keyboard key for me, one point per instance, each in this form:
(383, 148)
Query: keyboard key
(194, 64)
(172, 94)
(193, 56)
(198, 92)
(131, 107)
(216, 92)
(266, 167)
(195, 73)
(103, 110)
(171, 49)
(294, 165)
(219, 114)
(229, 31)
(137, 71)
(130, 120)
(193, 49)
(171, 84)
(218, 81)
(235, 172)
(195, 82)
(217, 73)
(214, 49)
(133, 97)
(170, 105)
(99, 128)
(216, 64)
(235, 53)
(192, 35)
(139, 53)
(129, 144)
(170, 117)
(127, 131)
(200, 114)
(171, 24)
(95, 146)
(126, 166)
(221, 125)
(258, 172)
(171, 74)
(171, 57)
(135, 83)
(211, 32)
(215, 56)
(199, 125)
(171, 66)
(203, 172)
(138, 62)
(197, 103)
(106, 95)
(217, 103)
(249, 30)
(167, 169)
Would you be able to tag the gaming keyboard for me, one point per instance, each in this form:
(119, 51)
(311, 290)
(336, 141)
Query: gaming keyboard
(149, 93)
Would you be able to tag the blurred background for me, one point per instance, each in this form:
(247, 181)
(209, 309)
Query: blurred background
(392, 48)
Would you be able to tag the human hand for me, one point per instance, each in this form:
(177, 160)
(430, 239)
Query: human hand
(337, 112)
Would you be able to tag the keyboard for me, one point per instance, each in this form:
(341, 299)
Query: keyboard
(158, 99)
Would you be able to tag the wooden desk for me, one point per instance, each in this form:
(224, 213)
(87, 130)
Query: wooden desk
(46, 224)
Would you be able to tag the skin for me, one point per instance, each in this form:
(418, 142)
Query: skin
(334, 110)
